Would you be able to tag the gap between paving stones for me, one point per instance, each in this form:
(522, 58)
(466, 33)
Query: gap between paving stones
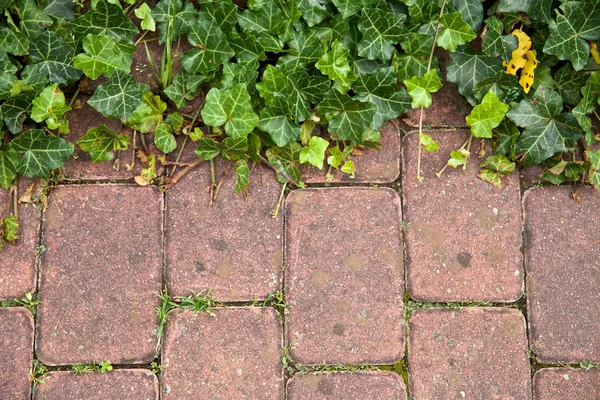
(402, 364)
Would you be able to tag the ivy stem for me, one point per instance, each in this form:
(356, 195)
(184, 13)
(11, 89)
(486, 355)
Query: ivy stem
(140, 38)
(275, 211)
(16, 200)
(441, 171)
(213, 182)
(143, 143)
(74, 97)
(469, 150)
(191, 126)
(437, 30)
(132, 165)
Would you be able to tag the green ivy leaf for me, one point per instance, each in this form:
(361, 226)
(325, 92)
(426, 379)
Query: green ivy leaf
(105, 19)
(230, 107)
(495, 43)
(467, 69)
(33, 19)
(455, 32)
(144, 13)
(314, 153)
(101, 143)
(491, 177)
(499, 163)
(413, 61)
(381, 88)
(569, 84)
(348, 118)
(39, 153)
(164, 138)
(547, 129)
(119, 97)
(242, 173)
(148, 115)
(15, 43)
(486, 116)
(587, 106)
(348, 168)
(207, 149)
(235, 149)
(419, 88)
(269, 19)
(458, 158)
(103, 55)
(335, 157)
(428, 143)
(471, 11)
(174, 18)
(336, 66)
(348, 8)
(53, 57)
(50, 106)
(305, 49)
(279, 126)
(505, 137)
(234, 73)
(580, 21)
(9, 160)
(185, 87)
(247, 48)
(10, 226)
(15, 110)
(381, 30)
(212, 48)
(314, 11)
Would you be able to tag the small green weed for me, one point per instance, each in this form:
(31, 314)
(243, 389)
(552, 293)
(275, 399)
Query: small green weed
(156, 367)
(588, 365)
(29, 301)
(37, 372)
(102, 367)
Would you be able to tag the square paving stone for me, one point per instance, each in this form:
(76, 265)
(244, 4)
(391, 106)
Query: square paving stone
(235, 354)
(566, 383)
(463, 235)
(344, 276)
(347, 386)
(235, 247)
(562, 249)
(16, 353)
(18, 260)
(472, 353)
(448, 109)
(100, 275)
(122, 384)
(371, 165)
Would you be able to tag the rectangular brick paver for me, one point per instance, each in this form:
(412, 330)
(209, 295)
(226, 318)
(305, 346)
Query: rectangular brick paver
(100, 275)
(563, 273)
(463, 235)
(18, 260)
(371, 166)
(566, 383)
(448, 109)
(16, 353)
(235, 247)
(344, 276)
(365, 385)
(234, 355)
(123, 384)
(473, 353)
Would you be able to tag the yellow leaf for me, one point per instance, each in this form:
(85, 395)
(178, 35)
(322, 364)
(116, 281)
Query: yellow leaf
(527, 74)
(594, 52)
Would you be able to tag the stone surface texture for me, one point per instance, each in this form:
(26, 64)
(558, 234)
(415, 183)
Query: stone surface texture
(364, 385)
(472, 353)
(448, 109)
(344, 276)
(16, 353)
(371, 165)
(235, 354)
(100, 275)
(463, 235)
(18, 260)
(123, 384)
(235, 247)
(563, 273)
(566, 383)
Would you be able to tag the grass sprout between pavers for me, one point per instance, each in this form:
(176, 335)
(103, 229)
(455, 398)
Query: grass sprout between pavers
(286, 83)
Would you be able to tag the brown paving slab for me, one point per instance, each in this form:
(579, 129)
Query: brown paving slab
(16, 353)
(235, 354)
(344, 276)
(448, 109)
(368, 385)
(563, 273)
(235, 247)
(18, 260)
(566, 383)
(100, 275)
(123, 384)
(472, 353)
(371, 166)
(530, 175)
(463, 234)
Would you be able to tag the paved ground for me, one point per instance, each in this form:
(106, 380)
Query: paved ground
(388, 287)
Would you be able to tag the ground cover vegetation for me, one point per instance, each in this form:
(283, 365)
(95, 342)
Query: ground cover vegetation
(291, 82)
